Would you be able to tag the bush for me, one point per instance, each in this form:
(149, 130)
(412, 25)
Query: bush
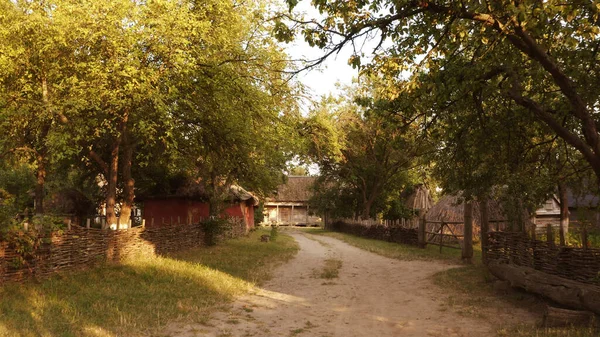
(26, 242)
(213, 228)
(274, 233)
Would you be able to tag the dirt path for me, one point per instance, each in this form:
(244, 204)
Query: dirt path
(373, 296)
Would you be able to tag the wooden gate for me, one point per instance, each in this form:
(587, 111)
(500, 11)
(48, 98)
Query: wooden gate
(445, 234)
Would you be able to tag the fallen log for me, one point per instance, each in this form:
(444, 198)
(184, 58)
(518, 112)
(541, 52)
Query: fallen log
(556, 317)
(569, 293)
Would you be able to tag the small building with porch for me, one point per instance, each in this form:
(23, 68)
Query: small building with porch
(289, 205)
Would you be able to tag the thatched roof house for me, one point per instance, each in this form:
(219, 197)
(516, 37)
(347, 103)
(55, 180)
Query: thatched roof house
(419, 199)
(297, 189)
(289, 206)
(451, 208)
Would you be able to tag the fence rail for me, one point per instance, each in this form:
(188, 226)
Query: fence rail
(80, 247)
(579, 264)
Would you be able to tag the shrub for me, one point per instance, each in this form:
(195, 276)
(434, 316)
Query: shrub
(274, 233)
(213, 228)
(25, 242)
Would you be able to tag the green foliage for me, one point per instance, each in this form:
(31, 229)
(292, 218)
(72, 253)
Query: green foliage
(259, 217)
(16, 180)
(167, 87)
(7, 209)
(274, 234)
(364, 154)
(25, 242)
(508, 93)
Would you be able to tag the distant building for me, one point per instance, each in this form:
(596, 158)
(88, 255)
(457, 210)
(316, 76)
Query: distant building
(289, 206)
(548, 214)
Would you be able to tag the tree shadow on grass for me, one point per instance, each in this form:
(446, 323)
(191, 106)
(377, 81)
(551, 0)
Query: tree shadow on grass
(115, 300)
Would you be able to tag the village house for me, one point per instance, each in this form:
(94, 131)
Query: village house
(191, 206)
(289, 205)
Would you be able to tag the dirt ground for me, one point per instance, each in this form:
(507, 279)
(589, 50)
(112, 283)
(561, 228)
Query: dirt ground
(373, 296)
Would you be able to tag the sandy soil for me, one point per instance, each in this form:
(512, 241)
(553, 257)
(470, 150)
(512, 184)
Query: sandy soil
(373, 296)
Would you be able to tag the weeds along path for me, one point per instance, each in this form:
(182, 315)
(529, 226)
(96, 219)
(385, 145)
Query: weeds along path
(333, 289)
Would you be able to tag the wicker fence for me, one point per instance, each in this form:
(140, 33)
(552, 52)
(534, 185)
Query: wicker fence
(78, 247)
(378, 231)
(579, 264)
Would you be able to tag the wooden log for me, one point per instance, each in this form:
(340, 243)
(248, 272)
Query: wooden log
(569, 293)
(556, 317)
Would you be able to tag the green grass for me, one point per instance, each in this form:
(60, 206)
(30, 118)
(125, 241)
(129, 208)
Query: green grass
(398, 251)
(330, 270)
(528, 331)
(142, 293)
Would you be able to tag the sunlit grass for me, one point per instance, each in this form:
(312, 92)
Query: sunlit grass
(142, 293)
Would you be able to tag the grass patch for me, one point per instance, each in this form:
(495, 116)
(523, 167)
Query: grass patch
(470, 292)
(396, 250)
(528, 331)
(140, 294)
(247, 259)
(331, 269)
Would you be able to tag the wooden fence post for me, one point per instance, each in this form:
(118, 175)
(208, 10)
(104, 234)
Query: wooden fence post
(421, 234)
(87, 223)
(485, 228)
(584, 237)
(69, 224)
(467, 248)
(441, 234)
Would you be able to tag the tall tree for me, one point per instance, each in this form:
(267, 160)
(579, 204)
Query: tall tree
(543, 57)
(375, 150)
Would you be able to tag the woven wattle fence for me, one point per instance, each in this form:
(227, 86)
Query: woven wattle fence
(577, 264)
(395, 234)
(79, 248)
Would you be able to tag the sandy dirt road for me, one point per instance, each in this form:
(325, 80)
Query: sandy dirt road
(373, 296)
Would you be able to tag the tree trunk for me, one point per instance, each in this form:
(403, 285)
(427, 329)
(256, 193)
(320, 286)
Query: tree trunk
(572, 294)
(367, 209)
(128, 181)
(42, 152)
(111, 193)
(564, 213)
(39, 185)
(485, 226)
(556, 317)
(467, 248)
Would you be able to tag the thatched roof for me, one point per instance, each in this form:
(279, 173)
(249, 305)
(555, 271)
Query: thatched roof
(190, 189)
(297, 189)
(451, 208)
(238, 193)
(419, 199)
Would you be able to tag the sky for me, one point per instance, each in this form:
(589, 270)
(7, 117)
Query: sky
(324, 79)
